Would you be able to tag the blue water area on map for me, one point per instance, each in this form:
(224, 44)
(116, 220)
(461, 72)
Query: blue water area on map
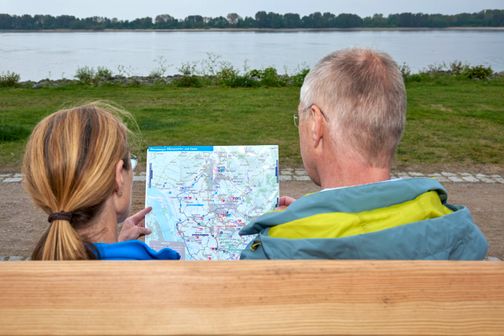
(181, 149)
(164, 216)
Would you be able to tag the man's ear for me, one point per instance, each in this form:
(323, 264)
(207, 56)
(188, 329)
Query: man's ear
(317, 125)
(119, 176)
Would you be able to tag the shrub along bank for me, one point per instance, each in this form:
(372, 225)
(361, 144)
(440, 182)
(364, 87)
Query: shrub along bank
(213, 72)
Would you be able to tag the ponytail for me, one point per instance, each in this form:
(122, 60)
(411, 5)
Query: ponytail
(62, 242)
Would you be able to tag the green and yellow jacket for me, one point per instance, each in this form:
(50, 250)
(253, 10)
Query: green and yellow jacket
(396, 219)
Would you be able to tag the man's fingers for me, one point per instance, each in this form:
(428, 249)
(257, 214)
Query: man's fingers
(285, 201)
(140, 215)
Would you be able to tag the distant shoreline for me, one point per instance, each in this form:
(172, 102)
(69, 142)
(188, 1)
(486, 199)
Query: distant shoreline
(256, 30)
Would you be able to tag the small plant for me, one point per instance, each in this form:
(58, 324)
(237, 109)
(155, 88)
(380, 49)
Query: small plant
(102, 75)
(9, 79)
(436, 69)
(188, 76)
(122, 71)
(85, 75)
(156, 73)
(160, 70)
(212, 65)
(457, 67)
(405, 71)
(187, 69)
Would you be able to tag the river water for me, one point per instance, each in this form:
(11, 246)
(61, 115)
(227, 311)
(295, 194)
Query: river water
(54, 55)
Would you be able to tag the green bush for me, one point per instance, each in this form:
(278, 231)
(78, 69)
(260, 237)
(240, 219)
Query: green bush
(456, 68)
(188, 81)
(102, 75)
(245, 81)
(270, 78)
(442, 72)
(214, 72)
(9, 79)
(88, 75)
(85, 75)
(477, 72)
(255, 74)
(298, 78)
(461, 70)
(227, 76)
(188, 76)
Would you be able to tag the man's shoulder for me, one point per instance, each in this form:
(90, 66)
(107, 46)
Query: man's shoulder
(353, 199)
(373, 195)
(385, 220)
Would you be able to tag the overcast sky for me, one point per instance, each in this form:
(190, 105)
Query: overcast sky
(130, 9)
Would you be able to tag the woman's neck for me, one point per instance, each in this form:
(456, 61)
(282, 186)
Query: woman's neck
(102, 228)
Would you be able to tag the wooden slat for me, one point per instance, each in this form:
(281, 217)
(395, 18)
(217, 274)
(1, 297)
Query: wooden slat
(252, 298)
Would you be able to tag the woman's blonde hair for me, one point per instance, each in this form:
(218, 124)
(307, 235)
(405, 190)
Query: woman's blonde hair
(69, 167)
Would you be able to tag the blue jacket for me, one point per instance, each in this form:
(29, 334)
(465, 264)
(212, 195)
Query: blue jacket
(396, 219)
(133, 250)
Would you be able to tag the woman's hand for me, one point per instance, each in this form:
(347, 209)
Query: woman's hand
(134, 226)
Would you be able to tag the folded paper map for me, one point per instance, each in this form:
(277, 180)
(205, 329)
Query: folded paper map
(203, 195)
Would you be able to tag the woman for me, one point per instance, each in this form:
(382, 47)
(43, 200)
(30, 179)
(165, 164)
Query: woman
(78, 169)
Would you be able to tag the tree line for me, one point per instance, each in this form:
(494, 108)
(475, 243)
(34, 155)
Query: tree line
(262, 19)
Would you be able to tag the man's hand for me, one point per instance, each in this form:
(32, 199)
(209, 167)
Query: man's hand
(284, 202)
(134, 226)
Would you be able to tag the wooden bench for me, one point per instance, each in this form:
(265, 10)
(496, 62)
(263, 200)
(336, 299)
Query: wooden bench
(252, 298)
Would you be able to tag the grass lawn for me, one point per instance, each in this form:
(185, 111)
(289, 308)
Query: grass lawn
(449, 121)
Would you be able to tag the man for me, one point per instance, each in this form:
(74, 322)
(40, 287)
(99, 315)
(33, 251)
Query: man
(351, 118)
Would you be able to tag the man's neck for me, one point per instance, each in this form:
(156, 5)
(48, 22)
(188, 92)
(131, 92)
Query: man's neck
(351, 174)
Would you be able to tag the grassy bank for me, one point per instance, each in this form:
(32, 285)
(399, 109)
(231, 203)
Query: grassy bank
(450, 121)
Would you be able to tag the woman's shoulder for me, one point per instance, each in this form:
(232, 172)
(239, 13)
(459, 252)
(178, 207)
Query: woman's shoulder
(133, 250)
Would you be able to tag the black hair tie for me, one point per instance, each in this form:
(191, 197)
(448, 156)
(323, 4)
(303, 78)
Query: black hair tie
(66, 216)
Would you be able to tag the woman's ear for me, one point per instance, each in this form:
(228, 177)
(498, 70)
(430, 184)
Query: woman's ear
(119, 176)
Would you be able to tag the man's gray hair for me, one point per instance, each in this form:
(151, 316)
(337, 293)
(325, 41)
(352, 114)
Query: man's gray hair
(362, 93)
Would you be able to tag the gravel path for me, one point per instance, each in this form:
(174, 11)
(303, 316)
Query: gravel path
(291, 174)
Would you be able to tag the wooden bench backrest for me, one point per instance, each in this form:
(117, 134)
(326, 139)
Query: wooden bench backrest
(252, 298)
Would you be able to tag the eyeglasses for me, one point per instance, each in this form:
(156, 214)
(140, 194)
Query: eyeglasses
(295, 116)
(133, 161)
(296, 119)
